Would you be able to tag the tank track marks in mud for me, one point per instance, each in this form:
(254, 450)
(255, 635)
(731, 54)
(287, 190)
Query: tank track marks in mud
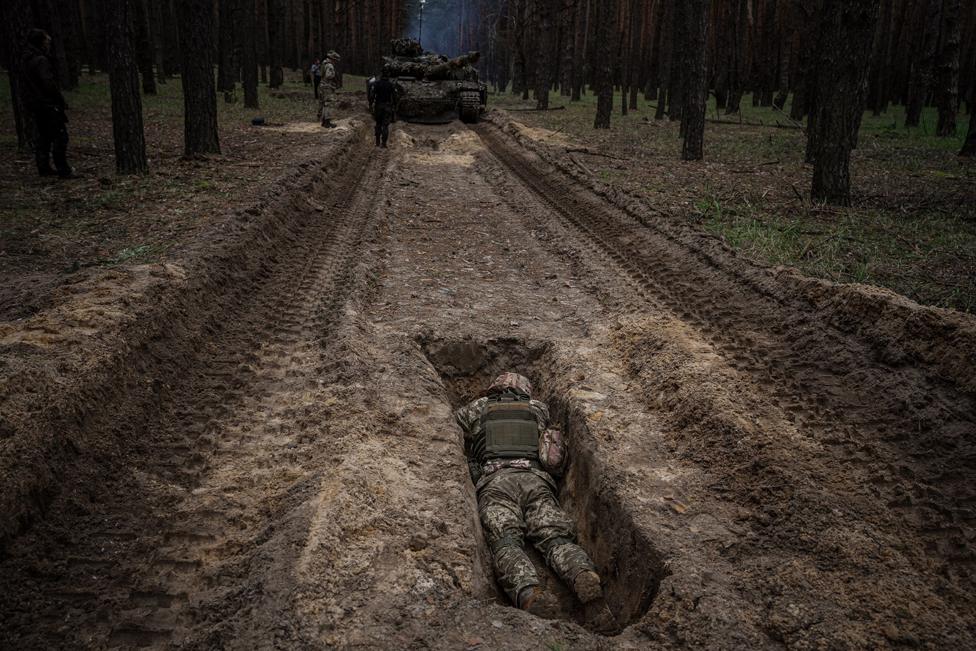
(903, 432)
(168, 535)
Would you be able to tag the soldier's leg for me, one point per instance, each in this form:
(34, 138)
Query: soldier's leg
(385, 133)
(60, 150)
(324, 115)
(43, 138)
(328, 100)
(553, 534)
(501, 517)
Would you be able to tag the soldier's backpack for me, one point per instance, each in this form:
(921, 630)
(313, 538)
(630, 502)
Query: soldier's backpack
(552, 452)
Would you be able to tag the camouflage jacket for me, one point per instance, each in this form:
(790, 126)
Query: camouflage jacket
(329, 75)
(469, 418)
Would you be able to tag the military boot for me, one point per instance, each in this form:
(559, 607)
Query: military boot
(537, 601)
(586, 585)
(595, 610)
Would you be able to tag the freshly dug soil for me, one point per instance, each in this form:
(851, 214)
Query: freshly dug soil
(257, 448)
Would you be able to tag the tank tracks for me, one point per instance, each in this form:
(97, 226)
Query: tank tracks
(903, 454)
(470, 106)
(135, 572)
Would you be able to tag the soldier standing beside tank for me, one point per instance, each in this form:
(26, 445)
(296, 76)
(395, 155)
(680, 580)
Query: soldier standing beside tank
(516, 498)
(382, 97)
(327, 89)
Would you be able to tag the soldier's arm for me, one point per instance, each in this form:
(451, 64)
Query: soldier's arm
(467, 418)
(47, 82)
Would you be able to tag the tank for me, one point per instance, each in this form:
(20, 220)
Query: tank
(434, 89)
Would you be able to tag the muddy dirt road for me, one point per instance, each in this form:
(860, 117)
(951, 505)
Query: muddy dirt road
(759, 460)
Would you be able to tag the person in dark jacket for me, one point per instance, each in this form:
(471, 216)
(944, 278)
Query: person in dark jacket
(43, 98)
(316, 77)
(382, 95)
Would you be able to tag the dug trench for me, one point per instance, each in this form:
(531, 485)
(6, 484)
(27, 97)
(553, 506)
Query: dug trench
(630, 566)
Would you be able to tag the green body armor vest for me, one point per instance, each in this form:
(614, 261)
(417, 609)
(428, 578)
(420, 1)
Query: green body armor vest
(510, 428)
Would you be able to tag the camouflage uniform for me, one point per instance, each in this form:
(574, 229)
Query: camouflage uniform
(517, 499)
(327, 89)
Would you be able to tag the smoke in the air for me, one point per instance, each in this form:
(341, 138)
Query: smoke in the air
(440, 24)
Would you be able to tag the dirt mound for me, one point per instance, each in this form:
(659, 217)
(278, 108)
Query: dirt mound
(898, 328)
(119, 339)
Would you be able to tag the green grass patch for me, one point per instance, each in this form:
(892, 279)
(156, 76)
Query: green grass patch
(913, 229)
(920, 256)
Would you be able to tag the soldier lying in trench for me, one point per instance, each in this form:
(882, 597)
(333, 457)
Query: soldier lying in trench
(512, 456)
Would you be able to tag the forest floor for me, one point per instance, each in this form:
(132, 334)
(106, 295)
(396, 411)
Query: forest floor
(242, 435)
(51, 228)
(912, 226)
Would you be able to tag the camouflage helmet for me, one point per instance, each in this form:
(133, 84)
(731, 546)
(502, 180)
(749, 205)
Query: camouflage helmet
(333, 55)
(511, 380)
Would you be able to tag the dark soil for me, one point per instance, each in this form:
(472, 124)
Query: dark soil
(251, 443)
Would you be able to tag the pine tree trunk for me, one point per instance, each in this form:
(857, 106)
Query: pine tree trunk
(696, 82)
(199, 93)
(172, 53)
(529, 46)
(276, 43)
(626, 56)
(808, 20)
(77, 48)
(636, 45)
(544, 54)
(877, 95)
(605, 12)
(677, 83)
(666, 60)
(920, 80)
(783, 64)
(947, 73)
(567, 20)
(17, 20)
(249, 53)
(740, 13)
(519, 81)
(144, 45)
(157, 26)
(843, 56)
(96, 41)
(226, 70)
(581, 24)
(123, 73)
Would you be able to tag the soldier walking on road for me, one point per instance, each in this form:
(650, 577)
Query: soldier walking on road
(517, 498)
(382, 95)
(43, 98)
(327, 89)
